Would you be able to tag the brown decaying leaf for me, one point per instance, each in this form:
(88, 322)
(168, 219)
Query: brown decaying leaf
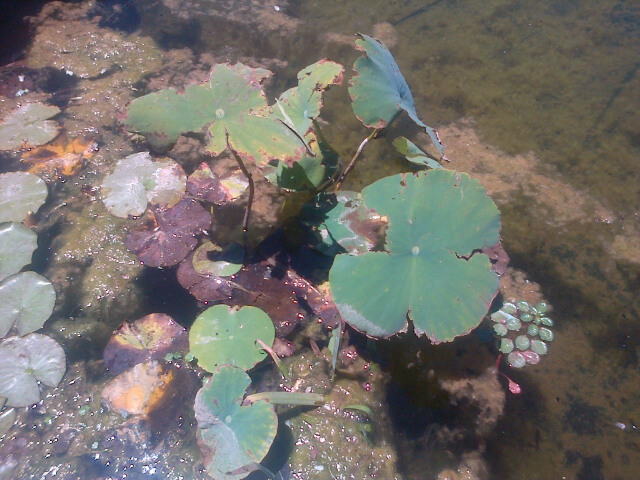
(170, 238)
(148, 338)
(498, 256)
(62, 158)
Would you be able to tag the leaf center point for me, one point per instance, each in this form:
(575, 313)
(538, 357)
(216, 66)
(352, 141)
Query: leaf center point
(415, 250)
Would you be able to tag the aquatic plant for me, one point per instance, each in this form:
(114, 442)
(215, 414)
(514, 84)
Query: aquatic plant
(524, 332)
(26, 300)
(17, 244)
(29, 126)
(21, 193)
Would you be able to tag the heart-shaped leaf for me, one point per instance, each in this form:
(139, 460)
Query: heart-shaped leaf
(204, 185)
(228, 335)
(431, 271)
(17, 244)
(20, 194)
(138, 180)
(170, 238)
(379, 92)
(227, 105)
(25, 361)
(232, 436)
(211, 259)
(27, 300)
(29, 127)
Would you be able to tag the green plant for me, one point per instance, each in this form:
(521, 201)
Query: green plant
(29, 126)
(409, 247)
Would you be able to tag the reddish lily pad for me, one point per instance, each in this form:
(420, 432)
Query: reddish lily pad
(170, 238)
(203, 184)
(281, 293)
(148, 338)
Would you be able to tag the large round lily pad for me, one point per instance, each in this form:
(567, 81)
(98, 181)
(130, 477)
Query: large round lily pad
(29, 127)
(138, 180)
(25, 361)
(227, 335)
(431, 271)
(27, 300)
(232, 437)
(17, 244)
(20, 194)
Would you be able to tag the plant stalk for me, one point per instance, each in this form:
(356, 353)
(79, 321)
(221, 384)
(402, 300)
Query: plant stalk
(353, 160)
(247, 212)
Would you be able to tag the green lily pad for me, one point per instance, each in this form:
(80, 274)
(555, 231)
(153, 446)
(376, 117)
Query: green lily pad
(211, 259)
(227, 335)
(17, 244)
(379, 92)
(227, 105)
(20, 194)
(7, 419)
(25, 361)
(233, 437)
(29, 127)
(138, 180)
(431, 271)
(413, 153)
(26, 300)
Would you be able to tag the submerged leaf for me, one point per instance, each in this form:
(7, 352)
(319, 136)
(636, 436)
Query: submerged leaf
(232, 436)
(58, 158)
(431, 271)
(228, 335)
(148, 338)
(204, 185)
(17, 244)
(173, 235)
(29, 127)
(379, 92)
(412, 153)
(25, 361)
(20, 194)
(26, 300)
(138, 180)
(211, 259)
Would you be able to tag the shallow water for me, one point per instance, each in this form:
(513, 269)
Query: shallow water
(536, 99)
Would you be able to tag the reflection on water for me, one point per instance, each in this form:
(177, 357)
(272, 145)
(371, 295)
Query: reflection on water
(536, 99)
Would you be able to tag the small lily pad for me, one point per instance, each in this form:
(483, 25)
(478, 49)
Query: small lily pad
(25, 361)
(211, 259)
(231, 435)
(20, 194)
(413, 153)
(138, 180)
(148, 338)
(29, 126)
(379, 92)
(204, 185)
(170, 238)
(26, 300)
(227, 335)
(17, 244)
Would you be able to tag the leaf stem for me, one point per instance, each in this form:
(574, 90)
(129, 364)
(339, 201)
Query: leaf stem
(247, 212)
(273, 355)
(287, 398)
(353, 160)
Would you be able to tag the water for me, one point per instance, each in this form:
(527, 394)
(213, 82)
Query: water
(536, 99)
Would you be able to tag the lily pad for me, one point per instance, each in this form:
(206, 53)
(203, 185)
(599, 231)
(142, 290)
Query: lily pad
(170, 238)
(29, 126)
(26, 300)
(228, 335)
(20, 194)
(232, 436)
(431, 271)
(203, 184)
(25, 361)
(148, 338)
(138, 180)
(211, 259)
(226, 105)
(379, 92)
(342, 223)
(17, 244)
(413, 153)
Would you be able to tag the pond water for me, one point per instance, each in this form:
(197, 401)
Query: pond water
(537, 100)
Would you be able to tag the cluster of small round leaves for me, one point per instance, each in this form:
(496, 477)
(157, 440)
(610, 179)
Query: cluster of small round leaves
(525, 331)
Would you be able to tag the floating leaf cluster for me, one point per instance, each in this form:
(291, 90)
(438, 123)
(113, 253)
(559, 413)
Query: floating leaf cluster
(525, 331)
